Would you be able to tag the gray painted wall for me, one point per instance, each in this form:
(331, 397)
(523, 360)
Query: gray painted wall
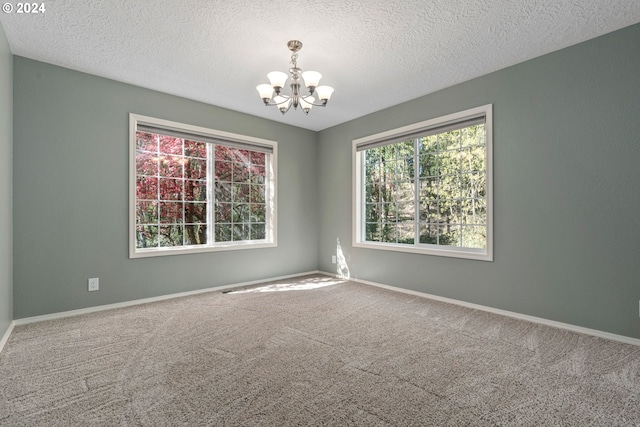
(566, 149)
(566, 187)
(6, 156)
(71, 194)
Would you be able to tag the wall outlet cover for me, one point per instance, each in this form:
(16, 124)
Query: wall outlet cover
(94, 284)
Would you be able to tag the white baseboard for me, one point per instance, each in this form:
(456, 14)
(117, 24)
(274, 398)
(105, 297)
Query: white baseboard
(6, 335)
(60, 315)
(540, 320)
(533, 319)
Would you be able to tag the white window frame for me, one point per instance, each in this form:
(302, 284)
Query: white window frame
(270, 182)
(358, 210)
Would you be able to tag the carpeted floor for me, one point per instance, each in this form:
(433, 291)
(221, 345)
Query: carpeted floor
(312, 351)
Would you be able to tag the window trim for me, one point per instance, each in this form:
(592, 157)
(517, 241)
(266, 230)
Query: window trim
(209, 135)
(394, 135)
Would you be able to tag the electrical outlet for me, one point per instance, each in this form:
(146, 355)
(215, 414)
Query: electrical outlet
(333, 259)
(94, 284)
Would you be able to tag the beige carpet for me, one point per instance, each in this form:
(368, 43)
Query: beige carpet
(312, 351)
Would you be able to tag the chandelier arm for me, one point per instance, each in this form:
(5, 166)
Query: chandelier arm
(323, 103)
(271, 103)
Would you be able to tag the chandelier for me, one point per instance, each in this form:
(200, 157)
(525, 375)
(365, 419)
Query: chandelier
(295, 98)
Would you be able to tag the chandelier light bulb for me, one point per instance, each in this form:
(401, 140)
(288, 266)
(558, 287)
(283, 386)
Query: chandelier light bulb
(265, 91)
(307, 103)
(277, 79)
(311, 79)
(283, 103)
(324, 93)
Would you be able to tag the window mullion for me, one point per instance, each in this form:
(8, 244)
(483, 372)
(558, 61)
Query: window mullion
(211, 148)
(416, 196)
(159, 192)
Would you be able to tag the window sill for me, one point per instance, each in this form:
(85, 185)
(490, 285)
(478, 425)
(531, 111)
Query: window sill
(466, 253)
(231, 246)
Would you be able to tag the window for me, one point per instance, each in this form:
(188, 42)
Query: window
(426, 188)
(194, 189)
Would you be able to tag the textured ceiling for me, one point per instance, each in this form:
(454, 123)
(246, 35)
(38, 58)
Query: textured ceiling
(375, 53)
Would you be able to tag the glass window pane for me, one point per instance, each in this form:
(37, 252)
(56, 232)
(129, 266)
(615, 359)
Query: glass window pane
(406, 211)
(473, 185)
(258, 158)
(241, 193)
(240, 212)
(449, 236)
(170, 145)
(146, 188)
(195, 169)
(195, 149)
(473, 135)
(146, 163)
(404, 191)
(406, 234)
(474, 211)
(146, 236)
(223, 192)
(258, 213)
(223, 232)
(474, 236)
(223, 212)
(372, 232)
(195, 213)
(257, 231)
(428, 165)
(371, 212)
(146, 142)
(171, 212)
(224, 170)
(388, 233)
(256, 194)
(372, 172)
(242, 156)
(171, 189)
(428, 144)
(449, 211)
(241, 172)
(449, 140)
(389, 212)
(146, 212)
(195, 190)
(449, 187)
(257, 174)
(223, 153)
(171, 166)
(448, 162)
(196, 234)
(429, 234)
(372, 193)
(472, 159)
(429, 210)
(429, 187)
(240, 232)
(171, 235)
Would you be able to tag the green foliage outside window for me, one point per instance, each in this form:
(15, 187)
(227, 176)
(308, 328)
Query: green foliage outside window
(437, 183)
